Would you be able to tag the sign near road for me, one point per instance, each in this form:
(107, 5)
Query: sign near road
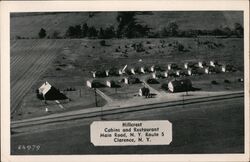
(125, 133)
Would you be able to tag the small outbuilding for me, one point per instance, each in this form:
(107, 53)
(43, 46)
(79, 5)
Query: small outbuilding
(182, 85)
(131, 80)
(144, 92)
(112, 84)
(94, 84)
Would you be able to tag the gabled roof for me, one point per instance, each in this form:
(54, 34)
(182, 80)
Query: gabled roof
(44, 88)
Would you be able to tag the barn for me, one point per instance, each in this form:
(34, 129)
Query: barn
(144, 92)
(49, 92)
(182, 85)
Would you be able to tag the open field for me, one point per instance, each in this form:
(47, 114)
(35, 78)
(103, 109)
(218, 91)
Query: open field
(29, 60)
(71, 63)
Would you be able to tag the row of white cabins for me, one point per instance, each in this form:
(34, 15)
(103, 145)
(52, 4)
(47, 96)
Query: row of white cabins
(187, 67)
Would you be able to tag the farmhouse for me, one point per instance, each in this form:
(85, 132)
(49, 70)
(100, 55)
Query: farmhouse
(180, 85)
(144, 92)
(48, 92)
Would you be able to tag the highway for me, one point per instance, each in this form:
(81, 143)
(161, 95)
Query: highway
(212, 126)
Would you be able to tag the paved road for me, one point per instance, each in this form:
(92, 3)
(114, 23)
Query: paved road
(214, 127)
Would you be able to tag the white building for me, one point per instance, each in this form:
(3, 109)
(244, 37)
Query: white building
(89, 83)
(223, 68)
(178, 72)
(126, 80)
(107, 72)
(142, 70)
(166, 74)
(201, 64)
(152, 68)
(189, 72)
(94, 74)
(186, 65)
(154, 75)
(206, 70)
(132, 70)
(44, 88)
(169, 66)
(212, 63)
(120, 72)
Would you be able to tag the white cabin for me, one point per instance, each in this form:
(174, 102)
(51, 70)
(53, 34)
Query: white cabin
(107, 72)
(178, 72)
(89, 84)
(212, 63)
(152, 68)
(108, 83)
(132, 70)
(142, 70)
(94, 74)
(200, 64)
(186, 65)
(154, 75)
(207, 70)
(166, 74)
(189, 72)
(223, 68)
(169, 66)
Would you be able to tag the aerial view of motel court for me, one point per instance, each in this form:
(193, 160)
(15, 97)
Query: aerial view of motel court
(74, 63)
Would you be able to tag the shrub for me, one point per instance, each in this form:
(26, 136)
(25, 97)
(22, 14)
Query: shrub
(152, 81)
(226, 81)
(214, 82)
(164, 86)
(103, 43)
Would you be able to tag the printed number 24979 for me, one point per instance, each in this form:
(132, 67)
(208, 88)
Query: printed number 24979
(29, 147)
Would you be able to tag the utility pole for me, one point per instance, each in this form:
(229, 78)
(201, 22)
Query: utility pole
(95, 98)
(183, 100)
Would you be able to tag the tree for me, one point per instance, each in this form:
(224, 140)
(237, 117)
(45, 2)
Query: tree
(74, 32)
(55, 35)
(129, 27)
(238, 29)
(92, 32)
(101, 34)
(42, 33)
(85, 29)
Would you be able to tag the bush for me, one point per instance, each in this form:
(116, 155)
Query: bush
(42, 33)
(226, 81)
(152, 81)
(103, 43)
(164, 86)
(214, 82)
(180, 47)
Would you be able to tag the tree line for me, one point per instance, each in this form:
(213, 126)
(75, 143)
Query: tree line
(129, 27)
